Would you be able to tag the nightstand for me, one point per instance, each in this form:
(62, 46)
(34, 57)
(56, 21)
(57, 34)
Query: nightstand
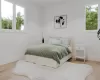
(80, 53)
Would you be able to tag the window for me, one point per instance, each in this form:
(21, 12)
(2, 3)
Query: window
(92, 17)
(12, 16)
(6, 14)
(19, 18)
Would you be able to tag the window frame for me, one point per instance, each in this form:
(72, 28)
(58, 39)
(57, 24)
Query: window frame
(98, 18)
(24, 18)
(13, 21)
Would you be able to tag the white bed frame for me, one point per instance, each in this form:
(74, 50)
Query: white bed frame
(50, 62)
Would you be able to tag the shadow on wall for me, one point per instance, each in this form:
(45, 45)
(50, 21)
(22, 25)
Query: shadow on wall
(34, 33)
(12, 47)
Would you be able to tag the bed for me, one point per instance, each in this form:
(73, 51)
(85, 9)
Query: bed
(55, 52)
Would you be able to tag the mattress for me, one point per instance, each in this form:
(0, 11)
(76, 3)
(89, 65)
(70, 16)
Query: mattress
(58, 71)
(46, 61)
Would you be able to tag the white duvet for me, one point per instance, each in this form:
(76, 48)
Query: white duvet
(68, 71)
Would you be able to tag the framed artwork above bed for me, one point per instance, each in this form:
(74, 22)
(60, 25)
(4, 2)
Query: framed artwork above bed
(60, 21)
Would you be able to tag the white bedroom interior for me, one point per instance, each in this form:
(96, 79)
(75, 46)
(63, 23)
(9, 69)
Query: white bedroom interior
(39, 18)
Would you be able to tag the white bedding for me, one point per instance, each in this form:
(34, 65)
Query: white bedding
(46, 61)
(68, 71)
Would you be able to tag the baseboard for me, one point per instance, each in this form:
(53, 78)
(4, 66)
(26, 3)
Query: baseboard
(94, 59)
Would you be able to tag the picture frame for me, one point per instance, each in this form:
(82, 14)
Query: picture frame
(60, 21)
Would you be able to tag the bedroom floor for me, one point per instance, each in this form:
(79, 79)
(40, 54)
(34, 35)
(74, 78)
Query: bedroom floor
(6, 74)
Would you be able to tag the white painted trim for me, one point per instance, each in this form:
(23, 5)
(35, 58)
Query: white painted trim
(0, 16)
(14, 17)
(11, 31)
(25, 20)
(14, 20)
(85, 19)
(91, 31)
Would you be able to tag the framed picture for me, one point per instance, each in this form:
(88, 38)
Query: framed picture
(60, 21)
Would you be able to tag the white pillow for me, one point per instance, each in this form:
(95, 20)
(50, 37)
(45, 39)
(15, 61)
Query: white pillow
(55, 41)
(65, 41)
(70, 48)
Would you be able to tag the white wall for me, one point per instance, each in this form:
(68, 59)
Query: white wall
(32, 19)
(13, 44)
(75, 11)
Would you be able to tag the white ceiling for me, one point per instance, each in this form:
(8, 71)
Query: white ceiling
(55, 2)
(47, 2)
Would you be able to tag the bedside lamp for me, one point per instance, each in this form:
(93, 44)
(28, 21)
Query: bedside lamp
(42, 38)
(98, 34)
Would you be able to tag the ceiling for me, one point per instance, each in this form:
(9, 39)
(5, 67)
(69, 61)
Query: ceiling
(48, 2)
(55, 2)
(45, 3)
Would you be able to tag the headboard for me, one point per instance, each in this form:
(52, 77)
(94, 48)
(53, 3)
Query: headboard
(64, 40)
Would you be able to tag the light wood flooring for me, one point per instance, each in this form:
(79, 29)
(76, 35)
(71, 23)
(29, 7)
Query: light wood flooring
(5, 70)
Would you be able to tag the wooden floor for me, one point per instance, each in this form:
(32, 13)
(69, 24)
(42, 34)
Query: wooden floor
(5, 71)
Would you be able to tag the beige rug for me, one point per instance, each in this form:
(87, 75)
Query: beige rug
(6, 74)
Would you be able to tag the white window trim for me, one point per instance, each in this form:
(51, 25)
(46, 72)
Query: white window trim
(0, 16)
(14, 17)
(98, 19)
(13, 21)
(24, 19)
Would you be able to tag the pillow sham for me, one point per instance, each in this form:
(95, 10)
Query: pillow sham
(69, 49)
(55, 41)
(65, 41)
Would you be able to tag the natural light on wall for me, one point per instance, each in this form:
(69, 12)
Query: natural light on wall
(92, 17)
(8, 17)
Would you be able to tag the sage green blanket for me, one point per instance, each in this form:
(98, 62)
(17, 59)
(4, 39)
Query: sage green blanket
(55, 52)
